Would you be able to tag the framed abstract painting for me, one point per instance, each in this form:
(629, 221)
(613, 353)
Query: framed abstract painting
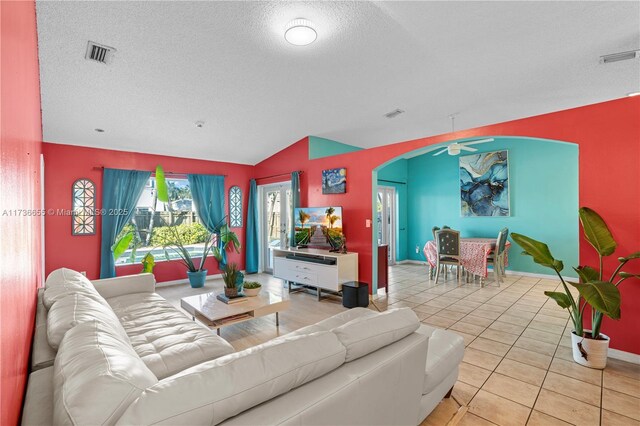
(484, 184)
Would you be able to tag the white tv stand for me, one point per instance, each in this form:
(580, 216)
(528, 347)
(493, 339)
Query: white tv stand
(319, 275)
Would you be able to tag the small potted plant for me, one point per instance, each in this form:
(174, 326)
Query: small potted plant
(252, 288)
(590, 347)
(230, 277)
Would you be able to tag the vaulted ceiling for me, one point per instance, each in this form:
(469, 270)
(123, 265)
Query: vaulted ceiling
(228, 65)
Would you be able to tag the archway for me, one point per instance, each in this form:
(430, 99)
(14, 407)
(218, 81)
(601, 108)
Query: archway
(543, 178)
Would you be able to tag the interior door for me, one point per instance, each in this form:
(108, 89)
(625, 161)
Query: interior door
(275, 219)
(386, 216)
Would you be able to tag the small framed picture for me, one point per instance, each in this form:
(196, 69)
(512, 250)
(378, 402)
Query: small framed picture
(334, 181)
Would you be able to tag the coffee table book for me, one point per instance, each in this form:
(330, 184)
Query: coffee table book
(231, 300)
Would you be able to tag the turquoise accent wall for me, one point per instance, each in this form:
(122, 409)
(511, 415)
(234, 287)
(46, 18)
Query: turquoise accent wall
(321, 147)
(543, 176)
(398, 171)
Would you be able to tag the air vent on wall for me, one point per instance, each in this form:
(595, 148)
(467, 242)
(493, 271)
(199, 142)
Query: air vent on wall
(621, 56)
(394, 113)
(99, 53)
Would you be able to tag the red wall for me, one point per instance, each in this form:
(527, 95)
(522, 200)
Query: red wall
(20, 246)
(608, 135)
(65, 163)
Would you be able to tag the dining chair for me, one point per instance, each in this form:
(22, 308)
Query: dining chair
(448, 251)
(496, 258)
(434, 230)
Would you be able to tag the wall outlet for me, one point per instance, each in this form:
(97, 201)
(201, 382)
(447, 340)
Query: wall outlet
(417, 249)
(367, 223)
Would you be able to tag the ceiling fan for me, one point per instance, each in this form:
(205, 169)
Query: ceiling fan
(456, 147)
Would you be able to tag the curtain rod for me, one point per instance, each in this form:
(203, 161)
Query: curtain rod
(392, 181)
(166, 173)
(279, 174)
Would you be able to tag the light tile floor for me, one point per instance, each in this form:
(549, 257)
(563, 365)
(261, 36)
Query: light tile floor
(518, 367)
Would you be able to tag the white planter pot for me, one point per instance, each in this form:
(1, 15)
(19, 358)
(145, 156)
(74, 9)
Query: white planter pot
(251, 292)
(596, 350)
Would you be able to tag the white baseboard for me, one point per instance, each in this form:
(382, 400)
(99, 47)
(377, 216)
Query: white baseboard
(624, 356)
(185, 281)
(411, 262)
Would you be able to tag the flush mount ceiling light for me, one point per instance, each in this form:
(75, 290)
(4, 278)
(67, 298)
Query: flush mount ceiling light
(299, 32)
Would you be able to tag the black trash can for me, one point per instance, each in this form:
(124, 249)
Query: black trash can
(355, 294)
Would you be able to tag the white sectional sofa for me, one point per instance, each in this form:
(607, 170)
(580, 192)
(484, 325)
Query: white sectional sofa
(115, 352)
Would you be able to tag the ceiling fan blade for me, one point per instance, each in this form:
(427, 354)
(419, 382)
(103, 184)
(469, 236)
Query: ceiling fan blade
(467, 148)
(476, 142)
(440, 152)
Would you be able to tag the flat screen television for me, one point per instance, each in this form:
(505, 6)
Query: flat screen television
(318, 227)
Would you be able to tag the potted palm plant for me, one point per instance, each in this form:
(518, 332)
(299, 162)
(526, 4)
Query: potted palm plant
(589, 346)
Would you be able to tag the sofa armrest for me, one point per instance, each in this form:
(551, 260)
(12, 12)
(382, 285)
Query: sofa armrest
(129, 284)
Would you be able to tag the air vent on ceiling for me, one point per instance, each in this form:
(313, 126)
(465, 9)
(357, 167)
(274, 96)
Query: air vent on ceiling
(99, 53)
(394, 113)
(621, 56)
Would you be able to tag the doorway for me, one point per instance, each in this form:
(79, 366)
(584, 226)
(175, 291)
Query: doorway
(275, 220)
(386, 218)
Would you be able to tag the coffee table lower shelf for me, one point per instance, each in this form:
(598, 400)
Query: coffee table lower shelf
(216, 314)
(222, 322)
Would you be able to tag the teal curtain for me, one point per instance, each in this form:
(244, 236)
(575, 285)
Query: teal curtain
(295, 202)
(252, 249)
(208, 195)
(121, 190)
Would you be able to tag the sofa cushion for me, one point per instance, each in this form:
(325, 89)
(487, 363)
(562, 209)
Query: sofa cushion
(75, 309)
(38, 400)
(446, 350)
(337, 320)
(166, 339)
(42, 354)
(63, 282)
(366, 334)
(96, 376)
(213, 391)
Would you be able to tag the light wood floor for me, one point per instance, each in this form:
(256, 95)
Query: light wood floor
(517, 368)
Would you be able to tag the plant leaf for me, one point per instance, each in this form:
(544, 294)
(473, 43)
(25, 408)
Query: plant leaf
(587, 273)
(538, 251)
(561, 298)
(635, 255)
(161, 185)
(122, 245)
(629, 275)
(597, 232)
(603, 296)
(148, 262)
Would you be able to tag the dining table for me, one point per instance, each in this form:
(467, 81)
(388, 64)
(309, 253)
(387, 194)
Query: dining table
(473, 254)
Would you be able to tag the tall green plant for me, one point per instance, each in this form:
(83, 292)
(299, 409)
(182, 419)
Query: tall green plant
(228, 237)
(603, 296)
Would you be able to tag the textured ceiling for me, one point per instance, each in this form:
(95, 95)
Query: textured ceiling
(227, 64)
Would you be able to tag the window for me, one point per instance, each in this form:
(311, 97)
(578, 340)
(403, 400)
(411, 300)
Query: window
(150, 221)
